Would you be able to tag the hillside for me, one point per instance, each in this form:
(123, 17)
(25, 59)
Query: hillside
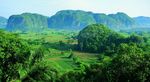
(122, 20)
(71, 19)
(79, 19)
(54, 55)
(142, 21)
(27, 22)
(74, 20)
(3, 22)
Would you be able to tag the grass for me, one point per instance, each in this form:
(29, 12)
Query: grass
(58, 50)
(57, 53)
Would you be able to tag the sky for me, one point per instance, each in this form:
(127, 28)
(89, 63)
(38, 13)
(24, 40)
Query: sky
(49, 7)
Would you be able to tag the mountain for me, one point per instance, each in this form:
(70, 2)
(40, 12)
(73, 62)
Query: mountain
(142, 22)
(27, 22)
(122, 19)
(72, 19)
(105, 19)
(78, 19)
(3, 22)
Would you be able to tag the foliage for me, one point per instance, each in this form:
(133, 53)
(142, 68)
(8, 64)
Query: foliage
(127, 65)
(52, 58)
(136, 39)
(99, 39)
(130, 64)
(71, 77)
(14, 54)
(94, 38)
(71, 55)
(41, 73)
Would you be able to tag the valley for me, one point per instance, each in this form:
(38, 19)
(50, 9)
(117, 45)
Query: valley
(74, 46)
(59, 44)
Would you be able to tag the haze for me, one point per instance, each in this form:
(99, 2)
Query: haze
(49, 7)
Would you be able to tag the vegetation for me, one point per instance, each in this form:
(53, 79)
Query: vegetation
(98, 38)
(94, 54)
(130, 63)
(123, 19)
(93, 38)
(18, 63)
(72, 19)
(27, 22)
(14, 54)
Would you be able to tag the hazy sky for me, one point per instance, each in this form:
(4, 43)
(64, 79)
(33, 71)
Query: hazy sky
(49, 7)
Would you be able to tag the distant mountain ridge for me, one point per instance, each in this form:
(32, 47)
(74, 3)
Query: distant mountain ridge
(79, 19)
(142, 21)
(27, 21)
(3, 22)
(73, 19)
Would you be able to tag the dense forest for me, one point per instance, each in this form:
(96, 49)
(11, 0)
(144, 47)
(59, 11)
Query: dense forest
(94, 54)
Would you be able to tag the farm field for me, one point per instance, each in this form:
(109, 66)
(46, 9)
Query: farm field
(59, 45)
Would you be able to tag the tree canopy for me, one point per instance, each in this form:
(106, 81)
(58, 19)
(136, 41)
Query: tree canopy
(93, 38)
(16, 56)
(98, 38)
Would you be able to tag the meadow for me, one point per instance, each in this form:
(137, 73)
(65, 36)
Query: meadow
(59, 45)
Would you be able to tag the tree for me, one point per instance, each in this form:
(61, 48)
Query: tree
(41, 72)
(38, 69)
(71, 76)
(136, 39)
(129, 64)
(14, 54)
(93, 38)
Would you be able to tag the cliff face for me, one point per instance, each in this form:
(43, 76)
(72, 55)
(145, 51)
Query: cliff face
(79, 19)
(3, 22)
(27, 21)
(142, 21)
(72, 19)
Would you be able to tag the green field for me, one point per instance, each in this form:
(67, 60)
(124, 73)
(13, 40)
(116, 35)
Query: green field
(59, 45)
(66, 56)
